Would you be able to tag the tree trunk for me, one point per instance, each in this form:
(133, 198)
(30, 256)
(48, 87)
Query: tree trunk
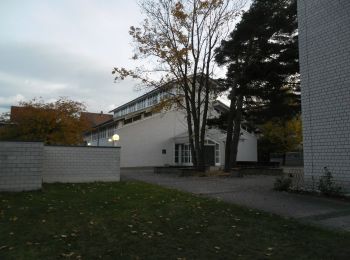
(237, 130)
(284, 159)
(190, 130)
(203, 132)
(196, 128)
(230, 119)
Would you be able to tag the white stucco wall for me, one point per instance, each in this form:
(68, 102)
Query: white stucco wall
(142, 142)
(247, 147)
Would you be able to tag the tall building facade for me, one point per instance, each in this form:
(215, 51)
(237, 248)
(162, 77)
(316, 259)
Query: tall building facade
(324, 44)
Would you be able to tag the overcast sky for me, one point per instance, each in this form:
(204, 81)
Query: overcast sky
(66, 48)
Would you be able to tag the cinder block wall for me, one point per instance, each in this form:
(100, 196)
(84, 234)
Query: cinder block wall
(324, 44)
(81, 164)
(20, 166)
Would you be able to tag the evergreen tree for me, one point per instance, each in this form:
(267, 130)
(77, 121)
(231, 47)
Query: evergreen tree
(262, 68)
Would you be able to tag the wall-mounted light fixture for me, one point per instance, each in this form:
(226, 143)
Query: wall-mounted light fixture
(114, 139)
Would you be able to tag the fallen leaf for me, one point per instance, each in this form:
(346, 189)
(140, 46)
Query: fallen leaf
(68, 254)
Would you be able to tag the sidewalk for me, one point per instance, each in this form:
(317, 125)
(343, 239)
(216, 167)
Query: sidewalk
(256, 192)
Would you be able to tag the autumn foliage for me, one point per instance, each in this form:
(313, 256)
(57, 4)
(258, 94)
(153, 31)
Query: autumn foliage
(56, 122)
(280, 136)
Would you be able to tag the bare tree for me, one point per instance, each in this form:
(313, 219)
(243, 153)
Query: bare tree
(181, 35)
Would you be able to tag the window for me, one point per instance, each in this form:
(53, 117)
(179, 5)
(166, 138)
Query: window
(152, 100)
(110, 131)
(149, 102)
(127, 121)
(132, 108)
(141, 104)
(124, 111)
(186, 153)
(147, 114)
(164, 151)
(136, 118)
(103, 133)
(183, 154)
(163, 95)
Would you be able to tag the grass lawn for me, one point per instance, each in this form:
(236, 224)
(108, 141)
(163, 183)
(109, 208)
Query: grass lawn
(133, 220)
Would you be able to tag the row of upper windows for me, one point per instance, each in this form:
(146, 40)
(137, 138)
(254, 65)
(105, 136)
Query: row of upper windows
(104, 133)
(143, 103)
(110, 131)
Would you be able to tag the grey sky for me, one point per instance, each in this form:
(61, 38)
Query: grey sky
(53, 48)
(65, 48)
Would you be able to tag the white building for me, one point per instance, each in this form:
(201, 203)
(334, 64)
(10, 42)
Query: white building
(150, 139)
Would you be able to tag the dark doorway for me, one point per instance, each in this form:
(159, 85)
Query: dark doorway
(209, 155)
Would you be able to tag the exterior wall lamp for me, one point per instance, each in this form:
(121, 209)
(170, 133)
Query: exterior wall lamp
(114, 139)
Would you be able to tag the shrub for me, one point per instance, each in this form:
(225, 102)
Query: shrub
(282, 184)
(327, 186)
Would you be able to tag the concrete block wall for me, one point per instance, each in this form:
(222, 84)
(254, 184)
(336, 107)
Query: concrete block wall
(324, 45)
(81, 164)
(20, 166)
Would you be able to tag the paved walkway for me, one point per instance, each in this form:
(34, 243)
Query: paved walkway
(256, 192)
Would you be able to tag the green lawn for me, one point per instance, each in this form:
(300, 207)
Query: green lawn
(133, 220)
